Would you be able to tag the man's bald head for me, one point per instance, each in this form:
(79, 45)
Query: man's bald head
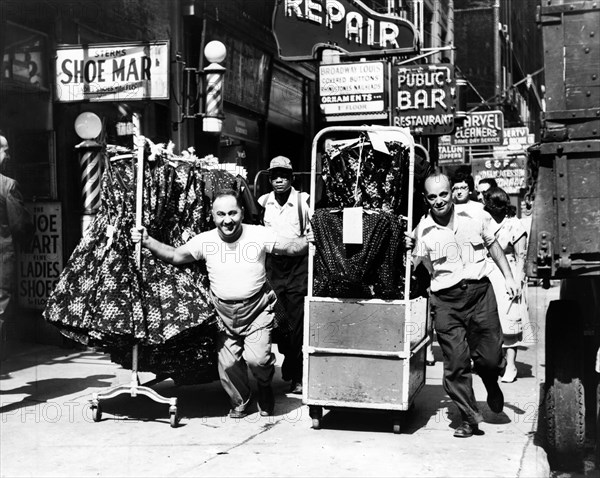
(436, 179)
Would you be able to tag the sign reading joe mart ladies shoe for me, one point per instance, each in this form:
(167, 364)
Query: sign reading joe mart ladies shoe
(352, 90)
(112, 72)
(423, 98)
(481, 128)
(303, 27)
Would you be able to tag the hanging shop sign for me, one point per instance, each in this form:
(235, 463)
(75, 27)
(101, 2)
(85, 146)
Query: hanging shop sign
(303, 27)
(39, 267)
(515, 142)
(509, 173)
(449, 153)
(352, 90)
(423, 98)
(112, 72)
(481, 128)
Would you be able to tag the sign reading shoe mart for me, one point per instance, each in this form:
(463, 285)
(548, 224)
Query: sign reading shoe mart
(303, 27)
(112, 72)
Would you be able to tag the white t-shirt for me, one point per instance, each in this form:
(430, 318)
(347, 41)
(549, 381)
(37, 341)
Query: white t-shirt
(236, 270)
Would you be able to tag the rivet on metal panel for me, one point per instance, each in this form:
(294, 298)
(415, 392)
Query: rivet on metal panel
(561, 174)
(587, 49)
(562, 198)
(594, 77)
(564, 223)
(564, 249)
(588, 93)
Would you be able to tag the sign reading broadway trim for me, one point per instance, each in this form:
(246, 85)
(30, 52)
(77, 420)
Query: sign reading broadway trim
(424, 98)
(302, 27)
(352, 88)
(112, 72)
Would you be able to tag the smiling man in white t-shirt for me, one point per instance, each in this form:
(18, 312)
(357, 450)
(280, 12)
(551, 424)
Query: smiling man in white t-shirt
(235, 260)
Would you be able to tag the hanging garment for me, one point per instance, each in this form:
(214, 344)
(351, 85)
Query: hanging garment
(358, 175)
(370, 270)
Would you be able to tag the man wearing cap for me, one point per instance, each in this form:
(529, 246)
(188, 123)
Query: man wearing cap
(286, 212)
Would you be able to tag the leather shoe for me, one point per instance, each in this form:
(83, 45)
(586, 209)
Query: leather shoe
(233, 413)
(495, 398)
(266, 401)
(466, 430)
(296, 388)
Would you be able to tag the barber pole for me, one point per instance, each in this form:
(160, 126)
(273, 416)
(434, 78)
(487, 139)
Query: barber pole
(90, 164)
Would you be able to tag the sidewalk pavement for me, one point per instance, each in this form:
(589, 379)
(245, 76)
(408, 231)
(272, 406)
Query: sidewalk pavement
(46, 427)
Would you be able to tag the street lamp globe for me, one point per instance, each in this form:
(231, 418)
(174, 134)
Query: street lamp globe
(215, 51)
(88, 125)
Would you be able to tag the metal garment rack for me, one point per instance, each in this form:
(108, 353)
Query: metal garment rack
(135, 388)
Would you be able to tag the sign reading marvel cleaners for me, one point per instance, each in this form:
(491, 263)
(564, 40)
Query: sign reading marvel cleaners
(424, 96)
(352, 88)
(303, 27)
(112, 72)
(480, 128)
(39, 267)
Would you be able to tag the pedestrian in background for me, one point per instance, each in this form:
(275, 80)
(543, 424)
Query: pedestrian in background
(286, 213)
(512, 238)
(16, 228)
(451, 242)
(235, 261)
(483, 185)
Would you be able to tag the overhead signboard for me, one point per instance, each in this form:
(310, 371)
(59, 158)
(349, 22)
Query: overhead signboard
(303, 27)
(423, 98)
(112, 72)
(352, 89)
(509, 173)
(515, 143)
(479, 129)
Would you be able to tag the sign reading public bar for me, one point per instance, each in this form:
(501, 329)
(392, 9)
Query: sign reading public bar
(424, 98)
(112, 72)
(302, 27)
(479, 129)
(352, 89)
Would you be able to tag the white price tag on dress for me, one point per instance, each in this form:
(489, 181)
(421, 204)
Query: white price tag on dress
(352, 225)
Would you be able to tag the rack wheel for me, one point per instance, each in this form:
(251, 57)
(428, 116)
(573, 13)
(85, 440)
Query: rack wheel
(96, 413)
(397, 423)
(397, 427)
(173, 418)
(316, 413)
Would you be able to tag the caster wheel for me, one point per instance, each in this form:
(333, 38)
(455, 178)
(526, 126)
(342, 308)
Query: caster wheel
(96, 413)
(397, 428)
(174, 418)
(316, 413)
(316, 423)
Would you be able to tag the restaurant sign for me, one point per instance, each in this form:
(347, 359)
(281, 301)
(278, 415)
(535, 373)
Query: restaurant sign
(423, 98)
(303, 27)
(479, 129)
(352, 89)
(112, 72)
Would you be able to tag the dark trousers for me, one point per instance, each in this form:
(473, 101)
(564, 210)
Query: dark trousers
(288, 275)
(468, 328)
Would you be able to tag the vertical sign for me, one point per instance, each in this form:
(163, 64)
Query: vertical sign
(40, 266)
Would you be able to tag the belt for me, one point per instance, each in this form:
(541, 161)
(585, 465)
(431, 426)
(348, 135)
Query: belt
(463, 285)
(242, 301)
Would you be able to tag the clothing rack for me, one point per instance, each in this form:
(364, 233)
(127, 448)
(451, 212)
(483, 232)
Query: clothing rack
(134, 388)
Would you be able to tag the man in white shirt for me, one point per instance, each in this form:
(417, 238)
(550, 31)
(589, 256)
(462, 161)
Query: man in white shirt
(452, 242)
(286, 213)
(235, 260)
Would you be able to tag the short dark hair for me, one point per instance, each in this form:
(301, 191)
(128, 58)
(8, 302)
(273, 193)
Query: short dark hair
(463, 175)
(491, 181)
(2, 133)
(229, 192)
(496, 202)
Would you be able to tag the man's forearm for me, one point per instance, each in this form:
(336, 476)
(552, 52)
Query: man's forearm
(291, 246)
(160, 250)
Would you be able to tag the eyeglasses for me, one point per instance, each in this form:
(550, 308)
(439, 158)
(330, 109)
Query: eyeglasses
(460, 188)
